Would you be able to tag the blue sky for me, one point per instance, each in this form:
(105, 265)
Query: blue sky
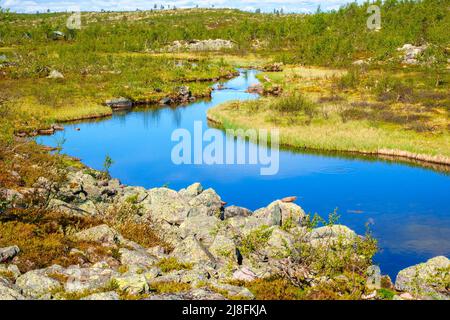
(96, 5)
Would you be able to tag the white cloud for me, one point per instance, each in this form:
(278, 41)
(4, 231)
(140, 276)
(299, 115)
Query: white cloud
(97, 5)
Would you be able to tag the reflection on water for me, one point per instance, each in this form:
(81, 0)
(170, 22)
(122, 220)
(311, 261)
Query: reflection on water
(407, 206)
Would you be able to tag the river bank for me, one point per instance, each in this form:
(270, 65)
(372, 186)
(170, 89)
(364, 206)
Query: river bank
(314, 113)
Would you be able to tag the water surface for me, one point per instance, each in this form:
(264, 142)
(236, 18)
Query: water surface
(407, 207)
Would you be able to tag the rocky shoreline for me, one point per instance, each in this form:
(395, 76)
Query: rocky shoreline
(213, 251)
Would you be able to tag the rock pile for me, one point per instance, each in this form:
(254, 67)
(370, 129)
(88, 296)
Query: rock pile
(212, 246)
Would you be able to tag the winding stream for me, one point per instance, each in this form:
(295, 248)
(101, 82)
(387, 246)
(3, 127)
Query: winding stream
(408, 207)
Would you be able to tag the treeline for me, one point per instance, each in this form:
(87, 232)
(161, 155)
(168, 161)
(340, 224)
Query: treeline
(324, 38)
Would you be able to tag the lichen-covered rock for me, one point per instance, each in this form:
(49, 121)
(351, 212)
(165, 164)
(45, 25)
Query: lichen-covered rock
(328, 235)
(167, 205)
(190, 250)
(36, 283)
(280, 213)
(81, 279)
(158, 252)
(111, 295)
(8, 253)
(132, 283)
(64, 207)
(235, 211)
(82, 186)
(280, 244)
(207, 203)
(247, 225)
(102, 234)
(192, 191)
(233, 291)
(11, 195)
(10, 269)
(198, 274)
(430, 279)
(89, 208)
(203, 227)
(223, 247)
(7, 293)
(136, 258)
(134, 195)
(119, 103)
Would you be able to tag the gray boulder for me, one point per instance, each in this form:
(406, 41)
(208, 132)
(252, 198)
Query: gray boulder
(235, 211)
(204, 228)
(81, 279)
(207, 203)
(244, 274)
(330, 235)
(429, 279)
(411, 53)
(223, 247)
(36, 284)
(280, 213)
(281, 244)
(8, 253)
(7, 293)
(190, 250)
(57, 35)
(102, 234)
(11, 269)
(133, 283)
(136, 258)
(167, 205)
(192, 191)
(119, 103)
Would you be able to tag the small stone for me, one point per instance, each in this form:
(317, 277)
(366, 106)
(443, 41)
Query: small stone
(289, 199)
(119, 103)
(55, 74)
(8, 253)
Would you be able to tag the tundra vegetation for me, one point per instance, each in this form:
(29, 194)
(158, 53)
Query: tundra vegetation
(338, 86)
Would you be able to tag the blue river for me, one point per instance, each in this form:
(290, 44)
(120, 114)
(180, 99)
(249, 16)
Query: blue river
(407, 207)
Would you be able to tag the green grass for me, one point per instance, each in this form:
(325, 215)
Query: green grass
(375, 112)
(118, 54)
